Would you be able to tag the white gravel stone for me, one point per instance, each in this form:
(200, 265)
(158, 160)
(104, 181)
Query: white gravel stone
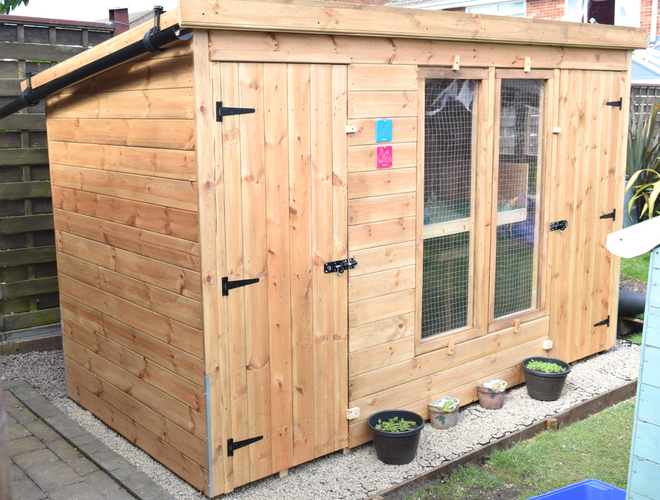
(358, 474)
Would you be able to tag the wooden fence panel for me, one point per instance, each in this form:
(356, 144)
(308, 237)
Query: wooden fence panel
(29, 292)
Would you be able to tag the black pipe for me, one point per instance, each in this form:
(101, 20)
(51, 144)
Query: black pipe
(150, 43)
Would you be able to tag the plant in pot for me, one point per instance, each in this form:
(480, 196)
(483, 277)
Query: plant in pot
(443, 413)
(396, 435)
(491, 394)
(545, 377)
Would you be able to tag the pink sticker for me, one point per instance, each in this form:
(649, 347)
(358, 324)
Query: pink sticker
(384, 157)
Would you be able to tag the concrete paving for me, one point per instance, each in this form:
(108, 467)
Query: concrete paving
(54, 458)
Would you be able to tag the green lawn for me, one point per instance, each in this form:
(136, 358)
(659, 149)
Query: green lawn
(636, 268)
(595, 448)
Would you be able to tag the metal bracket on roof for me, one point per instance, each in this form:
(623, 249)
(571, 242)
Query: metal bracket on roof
(158, 10)
(28, 89)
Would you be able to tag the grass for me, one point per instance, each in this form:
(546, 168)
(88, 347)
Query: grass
(635, 338)
(595, 448)
(636, 268)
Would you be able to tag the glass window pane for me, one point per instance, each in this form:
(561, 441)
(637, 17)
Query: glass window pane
(448, 156)
(508, 9)
(518, 196)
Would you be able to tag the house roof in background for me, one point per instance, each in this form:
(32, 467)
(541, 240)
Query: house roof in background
(646, 66)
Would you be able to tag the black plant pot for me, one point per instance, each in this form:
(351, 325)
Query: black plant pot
(545, 386)
(396, 448)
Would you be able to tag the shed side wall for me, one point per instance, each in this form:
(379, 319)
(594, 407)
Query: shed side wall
(125, 204)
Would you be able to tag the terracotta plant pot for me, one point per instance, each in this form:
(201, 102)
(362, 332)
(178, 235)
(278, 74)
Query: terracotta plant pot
(489, 398)
(441, 419)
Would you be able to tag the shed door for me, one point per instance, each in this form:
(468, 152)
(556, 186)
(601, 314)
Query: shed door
(587, 186)
(285, 206)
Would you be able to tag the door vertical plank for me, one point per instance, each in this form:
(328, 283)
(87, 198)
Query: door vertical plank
(321, 140)
(339, 249)
(231, 155)
(204, 127)
(254, 262)
(491, 158)
(279, 281)
(300, 224)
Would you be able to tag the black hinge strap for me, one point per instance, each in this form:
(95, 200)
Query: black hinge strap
(229, 285)
(221, 111)
(604, 322)
(235, 445)
(616, 104)
(611, 215)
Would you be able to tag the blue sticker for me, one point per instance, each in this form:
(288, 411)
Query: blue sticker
(383, 130)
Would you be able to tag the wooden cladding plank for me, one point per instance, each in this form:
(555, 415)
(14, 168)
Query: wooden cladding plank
(381, 233)
(110, 46)
(32, 156)
(382, 182)
(364, 158)
(408, 392)
(381, 104)
(380, 356)
(403, 130)
(175, 279)
(376, 21)
(162, 428)
(171, 221)
(182, 336)
(383, 283)
(166, 134)
(467, 393)
(378, 77)
(373, 260)
(160, 351)
(24, 121)
(25, 256)
(154, 245)
(319, 48)
(387, 306)
(156, 299)
(366, 210)
(183, 466)
(157, 190)
(155, 375)
(381, 332)
(156, 104)
(21, 190)
(493, 346)
(28, 287)
(153, 73)
(172, 164)
(22, 224)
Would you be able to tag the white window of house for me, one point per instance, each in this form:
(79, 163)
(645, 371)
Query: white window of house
(511, 9)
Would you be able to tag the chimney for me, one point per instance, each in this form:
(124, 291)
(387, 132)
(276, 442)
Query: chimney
(119, 17)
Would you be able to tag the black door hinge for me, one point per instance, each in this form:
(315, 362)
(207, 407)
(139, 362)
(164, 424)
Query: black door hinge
(604, 322)
(616, 104)
(611, 215)
(560, 225)
(229, 285)
(235, 445)
(221, 111)
(339, 266)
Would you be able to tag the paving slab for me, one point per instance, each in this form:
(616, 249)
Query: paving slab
(54, 458)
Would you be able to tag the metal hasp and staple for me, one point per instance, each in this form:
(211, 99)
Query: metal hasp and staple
(560, 225)
(221, 111)
(616, 104)
(153, 41)
(339, 266)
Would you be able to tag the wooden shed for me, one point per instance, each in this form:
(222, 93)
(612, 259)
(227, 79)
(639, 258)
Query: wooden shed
(438, 150)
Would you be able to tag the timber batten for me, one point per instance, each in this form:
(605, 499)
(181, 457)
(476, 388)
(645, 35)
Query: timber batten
(155, 202)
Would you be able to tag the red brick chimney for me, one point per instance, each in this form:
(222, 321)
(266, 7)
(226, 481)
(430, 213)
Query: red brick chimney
(119, 17)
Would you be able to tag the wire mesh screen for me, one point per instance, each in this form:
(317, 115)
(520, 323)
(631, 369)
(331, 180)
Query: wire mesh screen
(448, 156)
(516, 265)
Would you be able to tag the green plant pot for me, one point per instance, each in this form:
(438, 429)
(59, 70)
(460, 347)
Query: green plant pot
(396, 448)
(545, 386)
(441, 419)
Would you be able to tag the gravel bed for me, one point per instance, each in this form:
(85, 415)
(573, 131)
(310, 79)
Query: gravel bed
(358, 474)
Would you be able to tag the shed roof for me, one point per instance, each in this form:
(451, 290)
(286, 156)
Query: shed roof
(317, 17)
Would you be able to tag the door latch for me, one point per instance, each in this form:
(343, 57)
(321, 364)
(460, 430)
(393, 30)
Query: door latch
(339, 266)
(560, 225)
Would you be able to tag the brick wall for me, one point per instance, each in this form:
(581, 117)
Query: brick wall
(647, 8)
(546, 9)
